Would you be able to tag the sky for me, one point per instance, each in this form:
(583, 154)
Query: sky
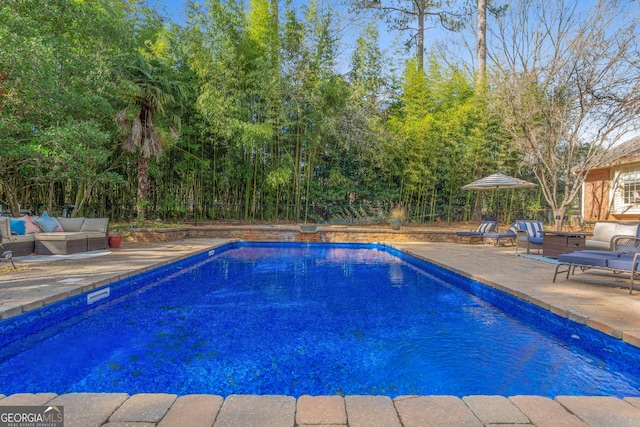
(174, 9)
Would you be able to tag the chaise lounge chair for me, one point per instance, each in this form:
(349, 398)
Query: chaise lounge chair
(486, 226)
(625, 258)
(495, 238)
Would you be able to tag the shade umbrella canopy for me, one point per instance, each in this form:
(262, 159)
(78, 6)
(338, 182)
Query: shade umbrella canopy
(498, 181)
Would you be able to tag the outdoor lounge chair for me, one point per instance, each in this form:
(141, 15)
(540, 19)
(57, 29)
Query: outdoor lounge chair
(487, 225)
(625, 258)
(495, 238)
(529, 236)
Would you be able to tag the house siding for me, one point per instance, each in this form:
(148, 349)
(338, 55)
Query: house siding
(603, 191)
(596, 191)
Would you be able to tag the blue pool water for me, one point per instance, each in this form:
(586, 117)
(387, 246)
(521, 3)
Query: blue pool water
(309, 319)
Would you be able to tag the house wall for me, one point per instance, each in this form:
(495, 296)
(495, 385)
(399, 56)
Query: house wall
(603, 195)
(612, 190)
(596, 195)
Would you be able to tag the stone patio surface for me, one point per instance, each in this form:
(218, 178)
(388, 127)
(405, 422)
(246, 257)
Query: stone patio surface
(599, 300)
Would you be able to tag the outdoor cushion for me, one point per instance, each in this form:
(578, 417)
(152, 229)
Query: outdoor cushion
(604, 231)
(60, 243)
(594, 259)
(535, 240)
(623, 263)
(597, 244)
(46, 223)
(95, 234)
(626, 230)
(499, 235)
(71, 224)
(30, 227)
(94, 225)
(18, 226)
(534, 229)
(469, 234)
(511, 232)
(599, 252)
(486, 226)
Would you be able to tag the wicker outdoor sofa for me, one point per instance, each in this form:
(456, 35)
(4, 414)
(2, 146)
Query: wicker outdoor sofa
(47, 235)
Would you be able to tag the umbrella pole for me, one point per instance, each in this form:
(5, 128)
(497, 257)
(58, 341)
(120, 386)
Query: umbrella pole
(497, 210)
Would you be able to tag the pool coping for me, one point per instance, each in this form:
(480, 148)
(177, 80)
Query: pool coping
(587, 299)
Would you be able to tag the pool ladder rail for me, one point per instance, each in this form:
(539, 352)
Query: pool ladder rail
(8, 255)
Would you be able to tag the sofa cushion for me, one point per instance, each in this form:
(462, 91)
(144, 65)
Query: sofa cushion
(597, 244)
(95, 235)
(71, 224)
(47, 223)
(625, 230)
(604, 231)
(18, 226)
(94, 225)
(60, 236)
(60, 243)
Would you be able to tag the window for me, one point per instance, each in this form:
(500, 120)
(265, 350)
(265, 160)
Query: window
(631, 180)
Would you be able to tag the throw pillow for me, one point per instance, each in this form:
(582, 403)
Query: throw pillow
(18, 226)
(30, 227)
(46, 223)
(59, 228)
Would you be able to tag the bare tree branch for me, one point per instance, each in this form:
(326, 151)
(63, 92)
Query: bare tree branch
(568, 86)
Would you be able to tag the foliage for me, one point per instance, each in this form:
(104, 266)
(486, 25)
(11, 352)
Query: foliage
(265, 118)
(398, 212)
(149, 92)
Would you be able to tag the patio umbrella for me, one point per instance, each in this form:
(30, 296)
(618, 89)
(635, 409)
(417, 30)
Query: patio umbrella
(498, 181)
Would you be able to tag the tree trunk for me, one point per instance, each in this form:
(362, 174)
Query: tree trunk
(420, 43)
(482, 42)
(480, 79)
(558, 213)
(143, 186)
(12, 198)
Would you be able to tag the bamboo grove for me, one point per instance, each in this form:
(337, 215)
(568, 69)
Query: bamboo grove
(248, 111)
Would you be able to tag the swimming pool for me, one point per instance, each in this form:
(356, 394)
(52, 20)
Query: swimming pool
(308, 319)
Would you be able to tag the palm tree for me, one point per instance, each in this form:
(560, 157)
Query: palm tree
(148, 90)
